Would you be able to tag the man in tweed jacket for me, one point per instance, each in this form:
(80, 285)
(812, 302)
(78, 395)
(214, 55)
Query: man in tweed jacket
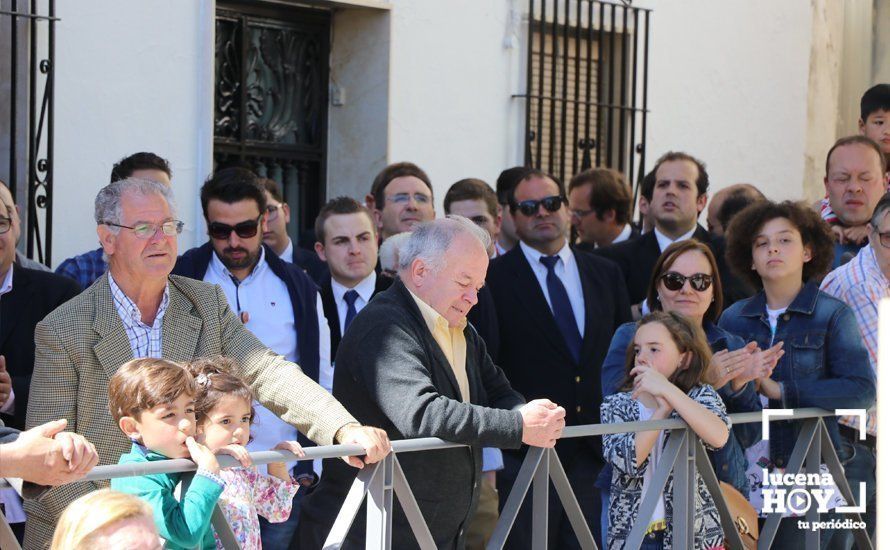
(138, 309)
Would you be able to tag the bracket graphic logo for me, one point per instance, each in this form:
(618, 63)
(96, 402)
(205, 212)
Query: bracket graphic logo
(795, 494)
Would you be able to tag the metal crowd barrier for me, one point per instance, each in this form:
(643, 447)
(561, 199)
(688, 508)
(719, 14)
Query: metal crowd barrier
(684, 455)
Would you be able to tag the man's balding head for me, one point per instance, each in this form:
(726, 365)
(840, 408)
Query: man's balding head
(736, 192)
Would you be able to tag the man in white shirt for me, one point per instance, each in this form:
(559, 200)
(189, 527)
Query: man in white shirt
(274, 299)
(347, 241)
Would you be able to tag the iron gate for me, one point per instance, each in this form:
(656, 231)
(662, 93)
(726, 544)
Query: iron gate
(27, 109)
(270, 110)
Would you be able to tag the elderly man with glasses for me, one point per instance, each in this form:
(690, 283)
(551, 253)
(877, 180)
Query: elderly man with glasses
(137, 309)
(862, 283)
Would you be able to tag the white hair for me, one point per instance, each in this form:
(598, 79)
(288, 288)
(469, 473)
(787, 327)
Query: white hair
(389, 251)
(108, 201)
(430, 241)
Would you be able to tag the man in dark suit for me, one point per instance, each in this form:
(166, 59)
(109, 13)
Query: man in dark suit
(557, 310)
(26, 297)
(600, 203)
(679, 196)
(411, 364)
(347, 243)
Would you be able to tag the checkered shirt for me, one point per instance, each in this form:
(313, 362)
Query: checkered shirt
(144, 340)
(861, 284)
(84, 268)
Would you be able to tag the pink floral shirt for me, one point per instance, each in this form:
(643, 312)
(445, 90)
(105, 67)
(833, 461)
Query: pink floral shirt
(249, 493)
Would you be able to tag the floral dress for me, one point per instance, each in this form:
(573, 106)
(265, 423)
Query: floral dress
(627, 478)
(249, 493)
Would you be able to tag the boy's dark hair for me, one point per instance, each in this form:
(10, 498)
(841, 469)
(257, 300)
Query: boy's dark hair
(530, 175)
(340, 205)
(689, 337)
(214, 379)
(737, 200)
(471, 189)
(608, 191)
(271, 186)
(666, 261)
(125, 167)
(855, 140)
(746, 225)
(703, 180)
(507, 180)
(142, 384)
(231, 185)
(875, 98)
(391, 172)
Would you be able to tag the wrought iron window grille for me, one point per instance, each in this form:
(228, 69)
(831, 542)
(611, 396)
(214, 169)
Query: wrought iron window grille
(30, 167)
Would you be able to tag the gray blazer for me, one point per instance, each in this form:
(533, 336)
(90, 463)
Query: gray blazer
(393, 374)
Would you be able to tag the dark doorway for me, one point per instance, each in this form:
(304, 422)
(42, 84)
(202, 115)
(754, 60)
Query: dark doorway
(271, 99)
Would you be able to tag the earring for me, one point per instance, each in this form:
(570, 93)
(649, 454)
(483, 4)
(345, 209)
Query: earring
(658, 297)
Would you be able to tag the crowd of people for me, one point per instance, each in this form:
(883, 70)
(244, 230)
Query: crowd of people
(530, 306)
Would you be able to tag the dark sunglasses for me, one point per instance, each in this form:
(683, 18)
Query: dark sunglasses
(674, 281)
(530, 207)
(244, 230)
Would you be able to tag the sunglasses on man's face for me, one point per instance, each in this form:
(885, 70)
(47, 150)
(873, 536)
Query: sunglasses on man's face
(551, 204)
(244, 230)
(674, 281)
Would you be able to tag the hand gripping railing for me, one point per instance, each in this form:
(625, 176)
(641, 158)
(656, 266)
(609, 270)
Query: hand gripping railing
(380, 482)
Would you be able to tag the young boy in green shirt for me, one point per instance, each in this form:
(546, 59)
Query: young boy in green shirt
(153, 402)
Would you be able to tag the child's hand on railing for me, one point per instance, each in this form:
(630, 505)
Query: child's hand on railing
(237, 451)
(202, 456)
(279, 469)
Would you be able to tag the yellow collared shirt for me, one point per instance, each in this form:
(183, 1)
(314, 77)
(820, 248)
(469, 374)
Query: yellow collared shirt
(452, 342)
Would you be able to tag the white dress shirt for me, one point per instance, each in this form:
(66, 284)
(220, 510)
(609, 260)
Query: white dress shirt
(365, 291)
(567, 272)
(288, 254)
(664, 241)
(624, 235)
(264, 297)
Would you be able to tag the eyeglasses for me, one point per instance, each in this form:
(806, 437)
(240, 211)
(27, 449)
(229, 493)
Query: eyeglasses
(402, 198)
(674, 281)
(272, 212)
(245, 230)
(581, 213)
(530, 207)
(883, 238)
(147, 230)
(5, 224)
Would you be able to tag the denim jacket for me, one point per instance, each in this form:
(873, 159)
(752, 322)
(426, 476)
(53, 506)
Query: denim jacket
(729, 462)
(825, 363)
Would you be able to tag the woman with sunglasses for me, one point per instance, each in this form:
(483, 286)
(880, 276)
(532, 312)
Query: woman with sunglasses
(686, 280)
(784, 248)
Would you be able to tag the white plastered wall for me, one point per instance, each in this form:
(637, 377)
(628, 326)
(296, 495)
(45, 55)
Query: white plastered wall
(131, 76)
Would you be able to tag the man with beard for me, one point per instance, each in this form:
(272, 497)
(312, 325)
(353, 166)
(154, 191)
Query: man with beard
(274, 299)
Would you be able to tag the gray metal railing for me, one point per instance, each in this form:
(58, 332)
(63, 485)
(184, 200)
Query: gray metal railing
(683, 455)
